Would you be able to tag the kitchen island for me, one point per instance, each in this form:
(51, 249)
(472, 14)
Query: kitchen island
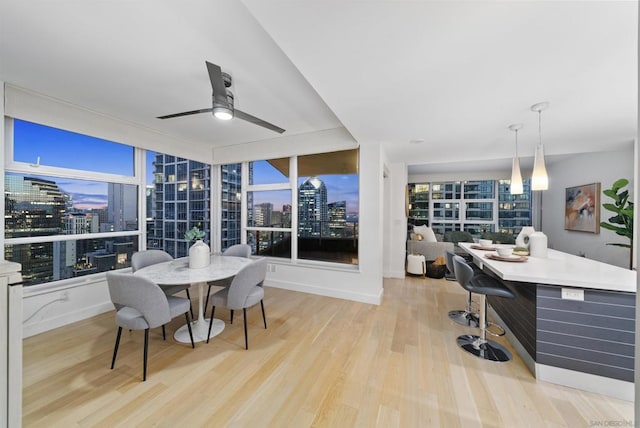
(572, 321)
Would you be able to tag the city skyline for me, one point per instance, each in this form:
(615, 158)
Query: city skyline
(51, 146)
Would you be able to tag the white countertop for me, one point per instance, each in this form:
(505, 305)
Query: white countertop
(559, 268)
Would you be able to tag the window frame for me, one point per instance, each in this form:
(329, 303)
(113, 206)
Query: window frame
(292, 185)
(12, 166)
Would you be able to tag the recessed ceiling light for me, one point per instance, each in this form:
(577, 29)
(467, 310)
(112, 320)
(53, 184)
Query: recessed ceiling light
(417, 141)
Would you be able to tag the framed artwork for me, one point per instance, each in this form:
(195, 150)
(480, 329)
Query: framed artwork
(582, 208)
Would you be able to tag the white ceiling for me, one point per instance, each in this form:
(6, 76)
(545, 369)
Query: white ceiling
(454, 74)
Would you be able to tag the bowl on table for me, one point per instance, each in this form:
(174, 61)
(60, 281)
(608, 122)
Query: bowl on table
(485, 242)
(505, 251)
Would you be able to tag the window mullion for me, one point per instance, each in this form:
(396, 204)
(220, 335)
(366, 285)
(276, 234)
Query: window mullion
(293, 185)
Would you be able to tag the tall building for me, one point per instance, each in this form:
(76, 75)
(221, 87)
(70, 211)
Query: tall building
(514, 211)
(78, 222)
(231, 205)
(262, 214)
(182, 192)
(337, 219)
(181, 198)
(312, 208)
(122, 209)
(33, 207)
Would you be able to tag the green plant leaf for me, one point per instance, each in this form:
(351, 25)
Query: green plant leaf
(616, 219)
(627, 212)
(623, 209)
(610, 193)
(611, 207)
(616, 229)
(619, 184)
(620, 245)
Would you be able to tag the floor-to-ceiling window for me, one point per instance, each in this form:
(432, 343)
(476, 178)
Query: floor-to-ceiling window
(477, 206)
(306, 202)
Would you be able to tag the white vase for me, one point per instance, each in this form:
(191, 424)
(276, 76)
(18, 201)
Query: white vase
(522, 240)
(538, 245)
(199, 255)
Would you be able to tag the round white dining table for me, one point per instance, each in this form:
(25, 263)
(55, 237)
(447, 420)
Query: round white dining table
(177, 272)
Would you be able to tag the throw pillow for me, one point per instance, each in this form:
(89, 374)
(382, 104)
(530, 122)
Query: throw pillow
(426, 232)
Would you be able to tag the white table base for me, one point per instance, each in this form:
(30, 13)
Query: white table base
(200, 326)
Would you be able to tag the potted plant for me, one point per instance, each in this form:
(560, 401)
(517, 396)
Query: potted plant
(622, 222)
(194, 234)
(199, 253)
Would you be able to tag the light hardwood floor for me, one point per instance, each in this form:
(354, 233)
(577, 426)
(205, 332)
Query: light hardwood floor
(321, 362)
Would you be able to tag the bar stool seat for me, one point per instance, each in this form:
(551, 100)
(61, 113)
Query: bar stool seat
(482, 285)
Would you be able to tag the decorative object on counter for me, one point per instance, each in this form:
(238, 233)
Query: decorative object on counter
(199, 253)
(485, 242)
(417, 237)
(511, 258)
(504, 251)
(521, 251)
(522, 240)
(516, 187)
(622, 222)
(538, 245)
(582, 208)
(539, 177)
(482, 248)
(437, 268)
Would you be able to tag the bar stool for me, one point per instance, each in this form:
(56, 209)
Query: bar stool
(484, 286)
(465, 316)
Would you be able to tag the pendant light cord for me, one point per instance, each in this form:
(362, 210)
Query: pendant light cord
(516, 144)
(540, 126)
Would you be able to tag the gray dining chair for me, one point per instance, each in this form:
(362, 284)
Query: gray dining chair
(245, 291)
(143, 306)
(237, 250)
(146, 258)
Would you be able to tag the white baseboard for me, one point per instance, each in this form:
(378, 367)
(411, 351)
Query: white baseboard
(587, 382)
(394, 274)
(64, 319)
(321, 291)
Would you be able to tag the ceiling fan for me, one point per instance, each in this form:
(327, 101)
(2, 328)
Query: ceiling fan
(223, 101)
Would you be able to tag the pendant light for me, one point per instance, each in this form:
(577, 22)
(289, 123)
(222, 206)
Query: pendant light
(539, 178)
(516, 177)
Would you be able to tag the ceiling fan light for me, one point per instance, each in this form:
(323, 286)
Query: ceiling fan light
(222, 113)
(539, 178)
(516, 187)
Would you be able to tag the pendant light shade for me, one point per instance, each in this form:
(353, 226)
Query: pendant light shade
(516, 187)
(539, 178)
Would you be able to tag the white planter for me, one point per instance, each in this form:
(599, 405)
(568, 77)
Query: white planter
(522, 240)
(538, 245)
(199, 255)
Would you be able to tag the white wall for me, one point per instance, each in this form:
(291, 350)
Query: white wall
(602, 167)
(396, 222)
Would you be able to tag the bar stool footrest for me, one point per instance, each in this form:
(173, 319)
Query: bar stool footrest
(501, 331)
(463, 317)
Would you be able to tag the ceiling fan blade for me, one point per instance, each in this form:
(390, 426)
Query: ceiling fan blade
(186, 113)
(245, 116)
(217, 84)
